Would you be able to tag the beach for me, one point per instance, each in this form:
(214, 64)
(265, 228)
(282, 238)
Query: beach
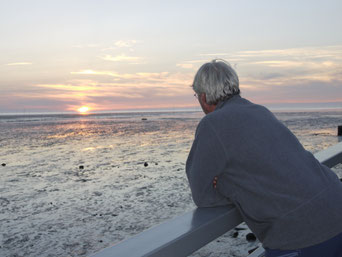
(75, 184)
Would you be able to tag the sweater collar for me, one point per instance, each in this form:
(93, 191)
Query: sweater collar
(227, 101)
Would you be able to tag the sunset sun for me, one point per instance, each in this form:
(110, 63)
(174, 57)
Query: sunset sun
(83, 109)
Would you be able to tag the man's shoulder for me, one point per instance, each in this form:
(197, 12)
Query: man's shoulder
(204, 122)
(237, 114)
(237, 106)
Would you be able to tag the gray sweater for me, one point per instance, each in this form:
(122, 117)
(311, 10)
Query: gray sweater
(286, 197)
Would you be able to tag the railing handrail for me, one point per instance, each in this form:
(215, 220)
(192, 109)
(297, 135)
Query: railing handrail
(186, 233)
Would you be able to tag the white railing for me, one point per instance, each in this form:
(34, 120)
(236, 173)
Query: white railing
(189, 232)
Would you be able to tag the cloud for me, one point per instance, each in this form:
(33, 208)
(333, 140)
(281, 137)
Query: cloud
(105, 90)
(328, 53)
(280, 64)
(82, 91)
(92, 72)
(18, 63)
(296, 66)
(107, 82)
(138, 78)
(291, 57)
(185, 65)
(276, 75)
(122, 58)
(125, 43)
(292, 92)
(67, 87)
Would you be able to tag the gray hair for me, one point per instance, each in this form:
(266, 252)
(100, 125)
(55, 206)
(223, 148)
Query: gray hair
(218, 80)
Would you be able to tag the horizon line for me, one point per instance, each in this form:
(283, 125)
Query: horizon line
(300, 107)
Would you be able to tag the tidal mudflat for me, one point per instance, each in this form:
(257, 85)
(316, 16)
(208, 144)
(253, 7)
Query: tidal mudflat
(71, 185)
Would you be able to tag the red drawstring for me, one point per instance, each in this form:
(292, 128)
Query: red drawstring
(215, 182)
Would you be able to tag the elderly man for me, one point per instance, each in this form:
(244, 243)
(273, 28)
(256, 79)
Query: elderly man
(243, 155)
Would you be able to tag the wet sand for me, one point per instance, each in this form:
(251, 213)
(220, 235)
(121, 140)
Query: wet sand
(51, 206)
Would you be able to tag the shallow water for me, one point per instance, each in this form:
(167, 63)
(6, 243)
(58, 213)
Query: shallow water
(132, 176)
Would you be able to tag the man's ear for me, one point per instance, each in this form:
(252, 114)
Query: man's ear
(203, 98)
(207, 108)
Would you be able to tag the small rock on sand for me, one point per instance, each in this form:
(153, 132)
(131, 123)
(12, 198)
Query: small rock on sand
(235, 234)
(145, 164)
(82, 180)
(250, 237)
(81, 167)
(3, 164)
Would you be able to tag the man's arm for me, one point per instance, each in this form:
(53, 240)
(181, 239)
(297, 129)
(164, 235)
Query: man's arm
(206, 162)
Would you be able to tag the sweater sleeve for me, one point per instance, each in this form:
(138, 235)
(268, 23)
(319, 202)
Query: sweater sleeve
(205, 164)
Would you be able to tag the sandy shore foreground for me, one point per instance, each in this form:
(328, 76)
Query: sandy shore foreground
(80, 215)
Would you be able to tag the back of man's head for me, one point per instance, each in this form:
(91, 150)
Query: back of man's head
(218, 80)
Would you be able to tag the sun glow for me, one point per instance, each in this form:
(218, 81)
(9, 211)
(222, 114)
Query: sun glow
(83, 109)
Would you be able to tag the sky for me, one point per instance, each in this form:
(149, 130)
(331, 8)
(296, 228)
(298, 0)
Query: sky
(56, 56)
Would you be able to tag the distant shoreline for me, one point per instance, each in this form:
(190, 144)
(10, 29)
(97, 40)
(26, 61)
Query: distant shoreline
(303, 107)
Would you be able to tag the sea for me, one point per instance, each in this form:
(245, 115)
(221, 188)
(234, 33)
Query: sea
(73, 184)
